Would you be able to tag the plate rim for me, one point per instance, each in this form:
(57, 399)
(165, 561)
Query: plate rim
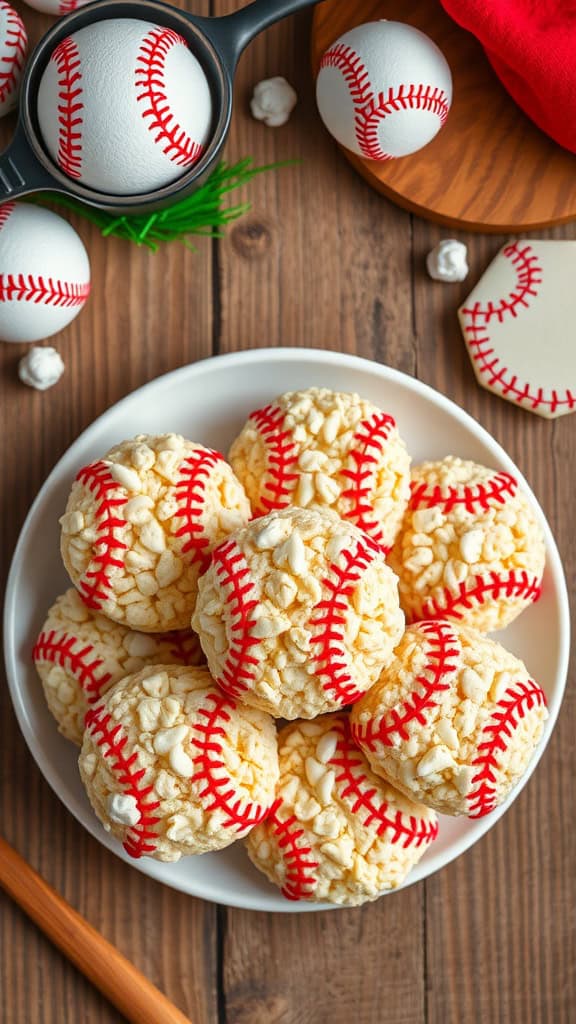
(152, 868)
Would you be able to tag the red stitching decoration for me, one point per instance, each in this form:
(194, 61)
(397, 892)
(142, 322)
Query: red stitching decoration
(6, 209)
(329, 618)
(370, 109)
(94, 585)
(59, 648)
(49, 292)
(355, 785)
(512, 707)
(190, 493)
(219, 788)
(233, 572)
(151, 87)
(346, 60)
(280, 477)
(474, 497)
(411, 97)
(296, 853)
(140, 838)
(528, 277)
(66, 57)
(482, 351)
(443, 650)
(493, 585)
(67, 6)
(367, 445)
(16, 40)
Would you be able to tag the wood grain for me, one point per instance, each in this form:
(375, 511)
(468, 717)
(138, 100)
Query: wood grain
(114, 975)
(489, 168)
(321, 260)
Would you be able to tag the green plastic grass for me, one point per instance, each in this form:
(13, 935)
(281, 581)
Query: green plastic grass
(202, 213)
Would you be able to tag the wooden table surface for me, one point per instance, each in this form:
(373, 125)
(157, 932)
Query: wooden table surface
(319, 261)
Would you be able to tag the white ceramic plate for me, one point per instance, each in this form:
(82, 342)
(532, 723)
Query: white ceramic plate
(209, 402)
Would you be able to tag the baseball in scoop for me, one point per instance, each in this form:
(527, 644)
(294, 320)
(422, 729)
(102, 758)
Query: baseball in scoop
(124, 106)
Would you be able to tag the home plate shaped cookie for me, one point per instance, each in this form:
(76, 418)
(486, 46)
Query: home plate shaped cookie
(518, 325)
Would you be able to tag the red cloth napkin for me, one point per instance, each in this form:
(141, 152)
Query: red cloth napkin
(531, 45)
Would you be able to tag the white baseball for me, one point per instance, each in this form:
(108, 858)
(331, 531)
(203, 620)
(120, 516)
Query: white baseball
(56, 7)
(44, 273)
(13, 48)
(124, 106)
(383, 90)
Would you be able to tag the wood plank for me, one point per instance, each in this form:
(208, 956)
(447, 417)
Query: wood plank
(337, 276)
(500, 925)
(320, 261)
(148, 313)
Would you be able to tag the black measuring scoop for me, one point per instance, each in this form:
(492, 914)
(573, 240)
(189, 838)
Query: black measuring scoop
(217, 43)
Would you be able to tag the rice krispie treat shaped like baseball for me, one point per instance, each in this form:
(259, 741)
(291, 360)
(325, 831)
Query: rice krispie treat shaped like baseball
(79, 654)
(336, 831)
(453, 720)
(172, 766)
(140, 525)
(470, 548)
(298, 613)
(326, 449)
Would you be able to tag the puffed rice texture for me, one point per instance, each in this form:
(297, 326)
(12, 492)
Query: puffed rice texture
(336, 831)
(326, 449)
(140, 525)
(453, 721)
(173, 767)
(298, 613)
(79, 654)
(470, 549)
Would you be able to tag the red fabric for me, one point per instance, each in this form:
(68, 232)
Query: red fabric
(531, 45)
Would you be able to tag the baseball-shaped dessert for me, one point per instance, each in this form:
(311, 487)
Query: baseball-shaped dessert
(172, 766)
(13, 49)
(470, 547)
(298, 613)
(383, 90)
(44, 273)
(140, 524)
(124, 107)
(326, 449)
(453, 720)
(79, 654)
(518, 326)
(336, 831)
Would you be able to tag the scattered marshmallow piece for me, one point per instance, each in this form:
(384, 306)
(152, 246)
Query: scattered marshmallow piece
(273, 101)
(123, 809)
(41, 367)
(447, 261)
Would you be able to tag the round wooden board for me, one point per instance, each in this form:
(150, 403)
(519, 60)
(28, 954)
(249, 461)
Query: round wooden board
(489, 168)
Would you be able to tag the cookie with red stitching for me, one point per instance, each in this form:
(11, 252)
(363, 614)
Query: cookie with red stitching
(79, 654)
(326, 449)
(336, 831)
(470, 549)
(298, 613)
(140, 525)
(453, 720)
(518, 326)
(172, 766)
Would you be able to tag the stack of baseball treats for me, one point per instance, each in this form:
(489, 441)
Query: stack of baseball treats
(315, 578)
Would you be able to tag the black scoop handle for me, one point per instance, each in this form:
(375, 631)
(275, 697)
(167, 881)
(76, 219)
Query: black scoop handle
(20, 172)
(232, 33)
